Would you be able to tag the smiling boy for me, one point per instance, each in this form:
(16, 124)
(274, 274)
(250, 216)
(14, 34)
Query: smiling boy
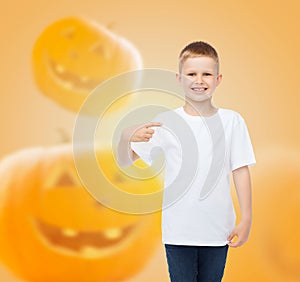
(200, 225)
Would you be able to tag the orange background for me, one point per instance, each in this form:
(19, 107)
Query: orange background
(257, 42)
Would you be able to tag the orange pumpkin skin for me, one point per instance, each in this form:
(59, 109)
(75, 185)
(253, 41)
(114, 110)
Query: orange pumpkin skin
(74, 55)
(273, 252)
(278, 209)
(51, 229)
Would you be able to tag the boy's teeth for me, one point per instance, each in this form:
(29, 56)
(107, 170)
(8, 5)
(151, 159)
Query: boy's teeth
(199, 89)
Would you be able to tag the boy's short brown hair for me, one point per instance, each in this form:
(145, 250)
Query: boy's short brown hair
(197, 49)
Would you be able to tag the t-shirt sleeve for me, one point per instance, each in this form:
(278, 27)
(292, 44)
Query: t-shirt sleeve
(148, 151)
(241, 147)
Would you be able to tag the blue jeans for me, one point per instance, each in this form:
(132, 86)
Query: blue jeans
(196, 263)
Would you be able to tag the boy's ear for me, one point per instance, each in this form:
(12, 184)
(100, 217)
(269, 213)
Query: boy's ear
(219, 79)
(178, 77)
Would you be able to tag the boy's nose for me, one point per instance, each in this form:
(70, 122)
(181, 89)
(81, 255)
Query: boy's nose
(198, 79)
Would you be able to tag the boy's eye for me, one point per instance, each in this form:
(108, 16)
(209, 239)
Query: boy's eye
(191, 74)
(207, 74)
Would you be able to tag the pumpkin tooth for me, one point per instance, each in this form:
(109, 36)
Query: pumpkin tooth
(89, 251)
(59, 68)
(68, 85)
(69, 232)
(113, 233)
(84, 79)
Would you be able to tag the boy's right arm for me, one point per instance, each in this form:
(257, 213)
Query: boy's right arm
(138, 133)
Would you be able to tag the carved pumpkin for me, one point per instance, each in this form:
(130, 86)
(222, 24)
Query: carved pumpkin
(73, 55)
(272, 253)
(51, 229)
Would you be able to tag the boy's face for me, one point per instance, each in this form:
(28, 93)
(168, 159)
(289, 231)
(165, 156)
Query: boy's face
(199, 78)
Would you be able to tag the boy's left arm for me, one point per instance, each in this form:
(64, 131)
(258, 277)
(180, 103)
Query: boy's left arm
(242, 182)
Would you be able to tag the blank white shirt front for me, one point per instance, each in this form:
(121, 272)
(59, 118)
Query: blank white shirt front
(197, 204)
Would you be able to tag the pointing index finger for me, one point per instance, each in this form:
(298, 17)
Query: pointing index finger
(151, 124)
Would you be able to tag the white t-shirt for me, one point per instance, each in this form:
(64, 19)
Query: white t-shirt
(199, 153)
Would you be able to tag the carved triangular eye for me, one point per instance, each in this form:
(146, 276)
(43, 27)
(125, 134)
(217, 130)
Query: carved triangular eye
(99, 49)
(65, 180)
(69, 32)
(62, 176)
(117, 178)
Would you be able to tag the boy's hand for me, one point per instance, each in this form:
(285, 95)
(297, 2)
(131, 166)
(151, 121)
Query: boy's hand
(241, 231)
(140, 133)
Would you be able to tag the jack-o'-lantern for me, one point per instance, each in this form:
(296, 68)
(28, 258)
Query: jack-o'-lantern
(272, 253)
(74, 55)
(51, 229)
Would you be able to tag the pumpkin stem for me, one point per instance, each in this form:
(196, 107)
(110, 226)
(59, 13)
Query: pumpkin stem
(64, 135)
(111, 25)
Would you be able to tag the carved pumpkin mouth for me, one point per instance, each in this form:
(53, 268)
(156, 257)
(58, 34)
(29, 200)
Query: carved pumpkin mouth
(85, 244)
(69, 80)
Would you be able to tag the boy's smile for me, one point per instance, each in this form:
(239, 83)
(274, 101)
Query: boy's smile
(199, 89)
(199, 78)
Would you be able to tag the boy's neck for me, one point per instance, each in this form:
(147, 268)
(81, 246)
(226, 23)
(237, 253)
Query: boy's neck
(200, 109)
